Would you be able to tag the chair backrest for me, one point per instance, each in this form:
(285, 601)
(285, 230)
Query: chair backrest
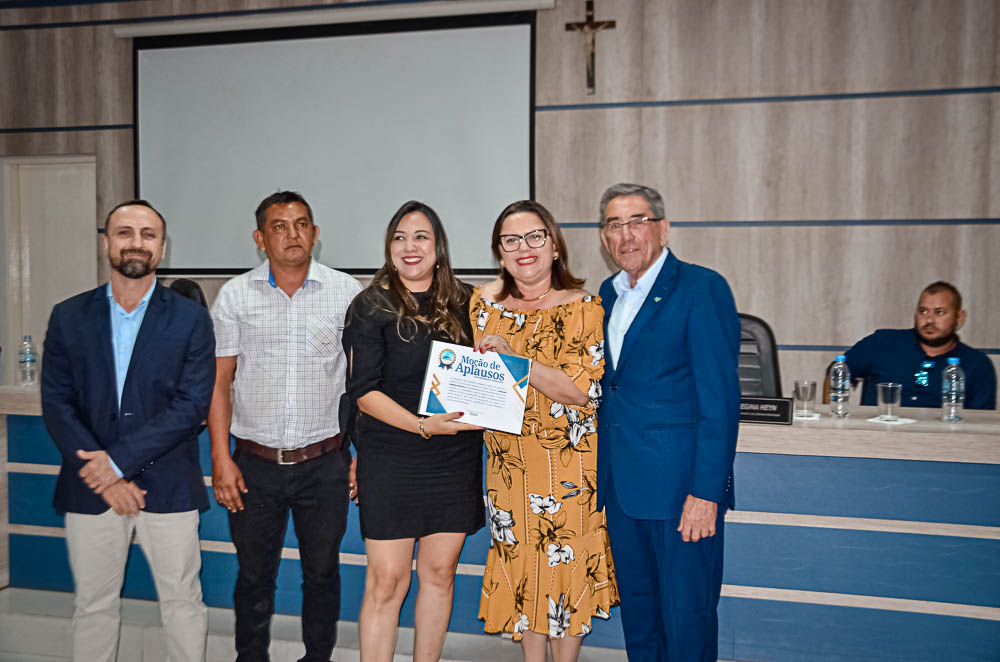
(189, 289)
(758, 366)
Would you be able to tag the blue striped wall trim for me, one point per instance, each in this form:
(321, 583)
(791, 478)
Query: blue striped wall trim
(218, 14)
(41, 562)
(753, 629)
(766, 483)
(754, 623)
(805, 223)
(842, 348)
(923, 568)
(956, 576)
(30, 504)
(57, 129)
(846, 96)
(868, 488)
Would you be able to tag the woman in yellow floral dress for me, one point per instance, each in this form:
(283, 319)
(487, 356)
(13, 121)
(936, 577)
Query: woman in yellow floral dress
(549, 570)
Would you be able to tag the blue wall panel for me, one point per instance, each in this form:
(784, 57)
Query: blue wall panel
(39, 562)
(30, 500)
(782, 631)
(856, 487)
(29, 441)
(896, 565)
(935, 568)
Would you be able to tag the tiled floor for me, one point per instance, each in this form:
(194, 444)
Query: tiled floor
(35, 627)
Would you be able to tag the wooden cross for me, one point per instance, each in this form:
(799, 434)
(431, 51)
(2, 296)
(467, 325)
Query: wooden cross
(590, 28)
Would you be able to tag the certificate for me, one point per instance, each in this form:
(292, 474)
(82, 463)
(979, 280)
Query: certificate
(490, 388)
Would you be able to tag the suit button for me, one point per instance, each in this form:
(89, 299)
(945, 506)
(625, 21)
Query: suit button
(114, 416)
(614, 387)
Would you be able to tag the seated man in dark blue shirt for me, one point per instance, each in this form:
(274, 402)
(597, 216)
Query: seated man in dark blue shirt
(916, 357)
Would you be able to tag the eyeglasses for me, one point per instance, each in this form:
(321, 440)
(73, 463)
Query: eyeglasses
(614, 227)
(920, 376)
(535, 239)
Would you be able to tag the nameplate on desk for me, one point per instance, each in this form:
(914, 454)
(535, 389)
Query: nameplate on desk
(777, 411)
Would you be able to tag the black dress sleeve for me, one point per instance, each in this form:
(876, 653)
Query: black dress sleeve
(364, 347)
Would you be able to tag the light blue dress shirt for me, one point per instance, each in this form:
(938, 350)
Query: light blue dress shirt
(124, 331)
(628, 303)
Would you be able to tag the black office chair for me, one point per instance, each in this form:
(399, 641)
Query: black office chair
(758, 362)
(189, 289)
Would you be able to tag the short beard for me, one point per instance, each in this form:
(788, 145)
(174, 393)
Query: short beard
(134, 267)
(941, 341)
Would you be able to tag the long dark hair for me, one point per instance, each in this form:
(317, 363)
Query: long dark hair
(450, 300)
(561, 278)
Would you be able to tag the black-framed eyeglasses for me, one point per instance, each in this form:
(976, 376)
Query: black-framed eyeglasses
(920, 376)
(535, 239)
(616, 226)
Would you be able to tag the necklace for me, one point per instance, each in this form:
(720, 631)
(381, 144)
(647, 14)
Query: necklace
(539, 297)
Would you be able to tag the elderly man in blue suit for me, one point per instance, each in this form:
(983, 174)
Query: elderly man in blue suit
(127, 378)
(667, 430)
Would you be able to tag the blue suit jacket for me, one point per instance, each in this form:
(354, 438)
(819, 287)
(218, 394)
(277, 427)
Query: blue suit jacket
(670, 408)
(154, 437)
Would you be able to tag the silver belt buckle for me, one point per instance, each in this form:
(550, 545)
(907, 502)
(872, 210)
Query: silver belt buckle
(281, 457)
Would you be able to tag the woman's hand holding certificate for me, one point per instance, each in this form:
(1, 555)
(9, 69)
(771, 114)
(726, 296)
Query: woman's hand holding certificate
(489, 388)
(446, 424)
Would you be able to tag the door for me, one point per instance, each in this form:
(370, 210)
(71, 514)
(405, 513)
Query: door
(50, 243)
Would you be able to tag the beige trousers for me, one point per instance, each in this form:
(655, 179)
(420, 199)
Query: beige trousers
(98, 548)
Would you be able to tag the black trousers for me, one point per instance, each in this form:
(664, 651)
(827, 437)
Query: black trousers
(315, 492)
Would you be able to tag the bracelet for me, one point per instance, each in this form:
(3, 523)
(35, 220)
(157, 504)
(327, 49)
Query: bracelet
(420, 424)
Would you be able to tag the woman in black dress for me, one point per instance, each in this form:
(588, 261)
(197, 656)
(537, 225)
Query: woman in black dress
(418, 479)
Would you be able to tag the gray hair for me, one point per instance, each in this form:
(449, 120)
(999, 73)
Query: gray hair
(650, 195)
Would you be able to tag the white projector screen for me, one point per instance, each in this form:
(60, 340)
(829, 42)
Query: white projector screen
(357, 123)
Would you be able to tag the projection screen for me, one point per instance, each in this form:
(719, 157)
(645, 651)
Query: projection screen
(358, 123)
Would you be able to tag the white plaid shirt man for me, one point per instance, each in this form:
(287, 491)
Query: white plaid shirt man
(290, 362)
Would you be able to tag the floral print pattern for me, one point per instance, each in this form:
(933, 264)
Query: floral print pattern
(559, 616)
(540, 504)
(549, 569)
(501, 523)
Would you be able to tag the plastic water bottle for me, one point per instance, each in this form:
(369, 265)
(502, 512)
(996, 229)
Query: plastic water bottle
(840, 387)
(952, 391)
(27, 359)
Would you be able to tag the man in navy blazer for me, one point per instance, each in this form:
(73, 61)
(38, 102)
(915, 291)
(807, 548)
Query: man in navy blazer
(127, 377)
(667, 430)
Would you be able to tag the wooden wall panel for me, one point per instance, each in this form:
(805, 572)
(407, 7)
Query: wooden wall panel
(56, 85)
(897, 157)
(928, 157)
(692, 49)
(833, 285)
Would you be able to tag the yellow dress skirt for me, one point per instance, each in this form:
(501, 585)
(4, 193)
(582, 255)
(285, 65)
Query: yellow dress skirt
(549, 568)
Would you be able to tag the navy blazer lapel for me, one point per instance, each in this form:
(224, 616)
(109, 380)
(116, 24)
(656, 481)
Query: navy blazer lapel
(656, 298)
(149, 331)
(608, 303)
(97, 326)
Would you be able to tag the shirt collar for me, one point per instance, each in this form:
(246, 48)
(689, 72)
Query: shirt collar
(142, 303)
(645, 282)
(264, 273)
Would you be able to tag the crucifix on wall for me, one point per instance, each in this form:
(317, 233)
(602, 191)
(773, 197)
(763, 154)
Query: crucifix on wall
(590, 28)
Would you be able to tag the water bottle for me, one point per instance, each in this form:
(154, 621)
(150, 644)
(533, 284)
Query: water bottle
(27, 359)
(840, 387)
(952, 391)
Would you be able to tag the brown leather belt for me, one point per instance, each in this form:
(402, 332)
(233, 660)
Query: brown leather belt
(286, 456)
